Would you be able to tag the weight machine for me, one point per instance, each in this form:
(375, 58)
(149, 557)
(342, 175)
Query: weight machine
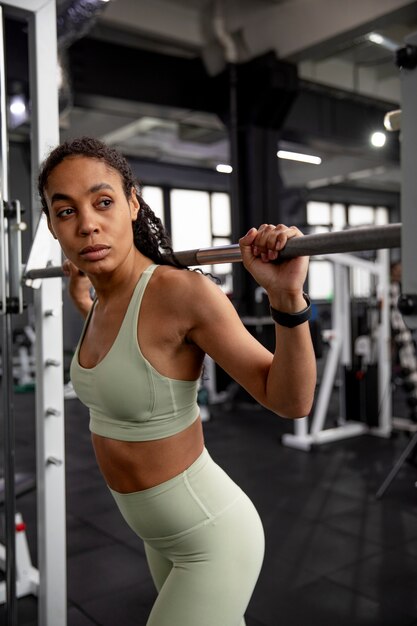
(310, 433)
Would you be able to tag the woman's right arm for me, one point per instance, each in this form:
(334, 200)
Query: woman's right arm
(79, 287)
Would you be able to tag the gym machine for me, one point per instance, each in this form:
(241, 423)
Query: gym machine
(312, 432)
(40, 16)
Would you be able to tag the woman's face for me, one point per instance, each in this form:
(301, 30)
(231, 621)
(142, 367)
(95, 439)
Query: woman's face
(90, 215)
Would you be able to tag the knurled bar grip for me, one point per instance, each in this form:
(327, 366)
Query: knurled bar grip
(352, 240)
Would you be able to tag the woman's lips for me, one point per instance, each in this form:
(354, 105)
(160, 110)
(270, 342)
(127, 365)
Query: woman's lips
(94, 253)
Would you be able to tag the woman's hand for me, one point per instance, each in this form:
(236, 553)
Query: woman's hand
(79, 287)
(261, 246)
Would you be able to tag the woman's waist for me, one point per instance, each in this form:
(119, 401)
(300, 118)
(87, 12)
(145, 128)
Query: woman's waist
(130, 466)
(172, 510)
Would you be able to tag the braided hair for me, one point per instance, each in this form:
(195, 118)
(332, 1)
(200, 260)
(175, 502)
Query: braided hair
(149, 234)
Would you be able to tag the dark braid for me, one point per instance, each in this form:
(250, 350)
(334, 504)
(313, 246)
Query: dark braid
(151, 238)
(149, 234)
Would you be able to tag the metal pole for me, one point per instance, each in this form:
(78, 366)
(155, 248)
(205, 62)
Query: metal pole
(9, 473)
(3, 169)
(353, 240)
(50, 442)
(398, 465)
(7, 377)
(408, 80)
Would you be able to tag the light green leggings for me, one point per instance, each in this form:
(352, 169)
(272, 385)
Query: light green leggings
(204, 543)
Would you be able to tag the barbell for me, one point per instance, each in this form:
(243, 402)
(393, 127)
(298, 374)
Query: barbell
(357, 239)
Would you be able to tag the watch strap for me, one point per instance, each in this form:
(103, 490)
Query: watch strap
(292, 319)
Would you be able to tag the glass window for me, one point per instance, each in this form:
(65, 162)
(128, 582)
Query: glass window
(319, 229)
(359, 215)
(199, 219)
(320, 280)
(338, 216)
(381, 215)
(220, 215)
(318, 212)
(153, 196)
(190, 219)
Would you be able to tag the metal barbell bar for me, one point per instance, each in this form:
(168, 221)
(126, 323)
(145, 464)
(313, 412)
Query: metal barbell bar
(353, 240)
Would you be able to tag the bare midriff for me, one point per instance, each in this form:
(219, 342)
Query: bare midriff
(129, 466)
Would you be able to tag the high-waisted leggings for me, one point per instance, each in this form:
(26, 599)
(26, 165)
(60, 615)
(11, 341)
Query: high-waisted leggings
(204, 543)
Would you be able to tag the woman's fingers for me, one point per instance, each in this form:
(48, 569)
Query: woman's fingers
(70, 269)
(270, 239)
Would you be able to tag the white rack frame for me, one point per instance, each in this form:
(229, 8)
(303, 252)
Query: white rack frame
(312, 432)
(50, 446)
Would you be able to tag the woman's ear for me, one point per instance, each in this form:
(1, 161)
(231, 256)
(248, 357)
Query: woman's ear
(134, 204)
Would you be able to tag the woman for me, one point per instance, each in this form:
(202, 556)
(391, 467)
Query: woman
(137, 368)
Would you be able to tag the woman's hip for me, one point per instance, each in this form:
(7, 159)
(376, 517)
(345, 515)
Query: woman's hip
(200, 496)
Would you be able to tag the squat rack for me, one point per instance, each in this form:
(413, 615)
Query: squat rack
(40, 16)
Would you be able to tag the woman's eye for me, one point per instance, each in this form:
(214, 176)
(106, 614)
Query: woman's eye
(65, 212)
(105, 203)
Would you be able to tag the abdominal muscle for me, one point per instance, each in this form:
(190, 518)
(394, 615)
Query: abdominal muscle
(129, 466)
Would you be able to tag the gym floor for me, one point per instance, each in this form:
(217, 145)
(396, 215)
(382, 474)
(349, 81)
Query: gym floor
(335, 555)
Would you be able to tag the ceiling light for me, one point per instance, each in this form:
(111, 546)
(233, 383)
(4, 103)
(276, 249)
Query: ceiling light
(297, 156)
(383, 41)
(18, 112)
(224, 169)
(378, 139)
(376, 38)
(17, 105)
(392, 120)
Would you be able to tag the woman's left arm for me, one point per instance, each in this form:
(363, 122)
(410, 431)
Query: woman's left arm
(292, 376)
(285, 381)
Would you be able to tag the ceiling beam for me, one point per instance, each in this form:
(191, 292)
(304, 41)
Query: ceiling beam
(167, 21)
(256, 26)
(336, 117)
(298, 26)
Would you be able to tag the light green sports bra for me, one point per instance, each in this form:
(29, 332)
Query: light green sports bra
(128, 399)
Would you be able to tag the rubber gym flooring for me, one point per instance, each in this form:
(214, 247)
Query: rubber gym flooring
(336, 556)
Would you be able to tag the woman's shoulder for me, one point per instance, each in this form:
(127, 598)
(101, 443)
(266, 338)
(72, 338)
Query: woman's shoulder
(181, 285)
(179, 277)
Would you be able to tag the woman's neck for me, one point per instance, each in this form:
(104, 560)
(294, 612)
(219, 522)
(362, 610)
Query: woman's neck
(120, 283)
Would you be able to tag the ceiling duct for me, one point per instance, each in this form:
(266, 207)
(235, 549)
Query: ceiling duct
(221, 46)
(75, 18)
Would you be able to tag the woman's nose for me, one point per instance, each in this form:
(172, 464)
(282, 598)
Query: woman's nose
(87, 223)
